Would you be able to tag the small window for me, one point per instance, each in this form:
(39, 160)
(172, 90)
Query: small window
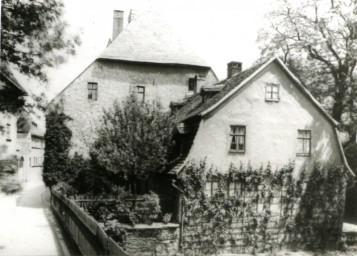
(233, 188)
(237, 138)
(92, 91)
(304, 142)
(8, 132)
(192, 84)
(140, 92)
(272, 92)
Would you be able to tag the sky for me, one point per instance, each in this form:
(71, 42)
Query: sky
(218, 31)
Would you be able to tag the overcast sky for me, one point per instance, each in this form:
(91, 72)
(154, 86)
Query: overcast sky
(219, 31)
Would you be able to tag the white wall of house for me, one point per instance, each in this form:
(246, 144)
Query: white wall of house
(271, 127)
(8, 132)
(115, 82)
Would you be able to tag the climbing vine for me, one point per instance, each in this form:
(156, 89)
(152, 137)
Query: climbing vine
(253, 210)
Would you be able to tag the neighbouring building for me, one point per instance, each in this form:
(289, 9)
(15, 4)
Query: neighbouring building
(260, 115)
(11, 102)
(147, 59)
(31, 147)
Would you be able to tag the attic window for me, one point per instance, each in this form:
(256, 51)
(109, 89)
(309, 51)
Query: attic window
(192, 84)
(92, 91)
(272, 92)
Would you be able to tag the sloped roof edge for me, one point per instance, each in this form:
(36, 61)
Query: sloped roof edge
(18, 86)
(292, 76)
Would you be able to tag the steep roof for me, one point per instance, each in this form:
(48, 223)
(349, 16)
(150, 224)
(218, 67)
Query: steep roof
(147, 38)
(236, 82)
(195, 106)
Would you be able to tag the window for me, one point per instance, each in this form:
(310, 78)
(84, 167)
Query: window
(92, 91)
(272, 92)
(237, 138)
(211, 188)
(233, 188)
(192, 84)
(140, 92)
(8, 132)
(304, 142)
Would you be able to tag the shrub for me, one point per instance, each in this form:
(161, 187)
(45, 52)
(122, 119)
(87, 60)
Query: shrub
(10, 185)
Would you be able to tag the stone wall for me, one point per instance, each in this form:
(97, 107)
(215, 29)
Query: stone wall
(115, 81)
(155, 239)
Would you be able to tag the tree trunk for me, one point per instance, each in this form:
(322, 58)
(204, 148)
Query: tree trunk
(340, 93)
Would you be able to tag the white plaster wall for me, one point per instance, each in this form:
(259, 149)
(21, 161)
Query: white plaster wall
(271, 127)
(8, 148)
(163, 83)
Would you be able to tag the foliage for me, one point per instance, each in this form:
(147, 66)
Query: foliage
(135, 139)
(317, 38)
(265, 210)
(126, 209)
(34, 36)
(57, 142)
(9, 184)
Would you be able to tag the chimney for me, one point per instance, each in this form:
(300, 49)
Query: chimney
(233, 68)
(118, 23)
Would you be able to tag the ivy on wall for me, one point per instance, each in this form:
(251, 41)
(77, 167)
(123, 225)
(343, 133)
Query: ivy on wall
(257, 210)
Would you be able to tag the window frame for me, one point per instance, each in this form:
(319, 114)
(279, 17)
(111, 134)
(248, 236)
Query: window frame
(137, 91)
(192, 81)
(231, 135)
(302, 140)
(92, 92)
(271, 93)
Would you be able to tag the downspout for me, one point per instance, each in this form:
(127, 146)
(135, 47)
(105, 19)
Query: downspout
(181, 212)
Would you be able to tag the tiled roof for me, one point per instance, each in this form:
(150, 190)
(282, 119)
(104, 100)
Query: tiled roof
(147, 38)
(195, 106)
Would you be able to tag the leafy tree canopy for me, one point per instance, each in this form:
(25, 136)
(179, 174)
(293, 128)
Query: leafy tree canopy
(34, 35)
(318, 39)
(134, 140)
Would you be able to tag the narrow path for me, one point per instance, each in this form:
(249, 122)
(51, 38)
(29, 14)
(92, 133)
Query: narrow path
(27, 226)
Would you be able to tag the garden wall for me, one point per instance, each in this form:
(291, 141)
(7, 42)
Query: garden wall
(91, 238)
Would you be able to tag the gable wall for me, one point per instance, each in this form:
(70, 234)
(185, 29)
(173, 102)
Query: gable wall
(271, 128)
(163, 83)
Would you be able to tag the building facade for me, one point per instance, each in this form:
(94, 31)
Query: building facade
(259, 116)
(145, 59)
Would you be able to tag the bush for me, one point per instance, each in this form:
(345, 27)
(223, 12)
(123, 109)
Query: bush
(127, 209)
(10, 185)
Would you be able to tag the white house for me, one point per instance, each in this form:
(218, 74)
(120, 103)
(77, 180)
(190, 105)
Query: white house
(146, 58)
(258, 116)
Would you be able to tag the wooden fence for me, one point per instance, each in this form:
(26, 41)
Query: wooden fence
(89, 236)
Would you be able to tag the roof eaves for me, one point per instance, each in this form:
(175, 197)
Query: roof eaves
(16, 85)
(154, 62)
(236, 88)
(307, 93)
(342, 154)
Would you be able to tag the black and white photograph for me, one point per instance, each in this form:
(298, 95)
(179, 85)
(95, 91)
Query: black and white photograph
(178, 127)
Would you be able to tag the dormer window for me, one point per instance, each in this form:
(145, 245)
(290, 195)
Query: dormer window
(272, 92)
(192, 84)
(92, 91)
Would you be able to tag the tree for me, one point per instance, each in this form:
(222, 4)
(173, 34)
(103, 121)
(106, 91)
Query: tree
(34, 36)
(317, 38)
(57, 143)
(135, 140)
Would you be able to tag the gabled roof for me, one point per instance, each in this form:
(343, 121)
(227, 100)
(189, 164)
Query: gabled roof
(147, 38)
(236, 82)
